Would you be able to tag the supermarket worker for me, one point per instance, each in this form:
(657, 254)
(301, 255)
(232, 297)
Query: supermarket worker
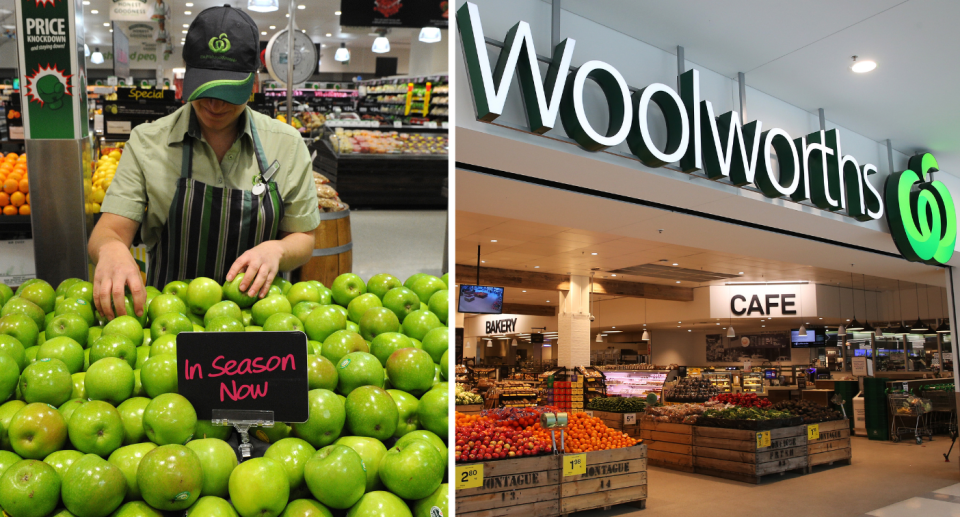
(216, 188)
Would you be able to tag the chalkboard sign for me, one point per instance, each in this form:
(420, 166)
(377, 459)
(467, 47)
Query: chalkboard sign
(536, 339)
(263, 371)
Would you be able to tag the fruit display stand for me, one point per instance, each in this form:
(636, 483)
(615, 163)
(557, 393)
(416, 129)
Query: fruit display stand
(669, 445)
(469, 409)
(611, 477)
(513, 488)
(628, 423)
(333, 249)
(829, 443)
(746, 455)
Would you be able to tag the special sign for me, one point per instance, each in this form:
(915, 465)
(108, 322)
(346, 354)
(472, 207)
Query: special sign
(264, 371)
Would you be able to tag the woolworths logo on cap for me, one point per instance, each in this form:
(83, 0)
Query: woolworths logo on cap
(920, 213)
(220, 44)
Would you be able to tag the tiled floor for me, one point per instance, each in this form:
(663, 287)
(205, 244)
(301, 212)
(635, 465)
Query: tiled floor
(399, 242)
(944, 502)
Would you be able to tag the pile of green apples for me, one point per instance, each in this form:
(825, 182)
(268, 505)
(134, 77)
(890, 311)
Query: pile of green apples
(91, 424)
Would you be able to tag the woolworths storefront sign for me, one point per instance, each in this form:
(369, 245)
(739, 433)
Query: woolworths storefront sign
(920, 213)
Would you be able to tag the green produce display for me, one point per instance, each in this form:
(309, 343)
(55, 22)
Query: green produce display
(91, 424)
(743, 413)
(618, 404)
(467, 397)
(810, 411)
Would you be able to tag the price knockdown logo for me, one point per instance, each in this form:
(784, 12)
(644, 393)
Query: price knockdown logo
(921, 213)
(469, 476)
(813, 432)
(763, 439)
(574, 465)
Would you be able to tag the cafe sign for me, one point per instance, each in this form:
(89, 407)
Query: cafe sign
(810, 167)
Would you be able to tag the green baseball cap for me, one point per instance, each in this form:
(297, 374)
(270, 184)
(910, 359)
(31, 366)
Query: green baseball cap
(222, 55)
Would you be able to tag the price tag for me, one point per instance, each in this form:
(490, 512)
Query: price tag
(469, 476)
(397, 123)
(763, 439)
(629, 419)
(813, 432)
(589, 413)
(574, 464)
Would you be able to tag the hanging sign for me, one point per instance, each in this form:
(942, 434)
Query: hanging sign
(393, 13)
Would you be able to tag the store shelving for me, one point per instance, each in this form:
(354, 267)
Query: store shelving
(752, 382)
(634, 383)
(722, 380)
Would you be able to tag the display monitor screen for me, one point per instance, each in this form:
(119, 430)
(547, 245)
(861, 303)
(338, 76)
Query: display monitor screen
(814, 338)
(480, 299)
(769, 374)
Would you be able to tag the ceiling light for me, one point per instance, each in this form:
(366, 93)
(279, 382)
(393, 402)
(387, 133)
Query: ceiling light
(675, 264)
(524, 291)
(678, 281)
(96, 58)
(489, 344)
(323, 45)
(273, 27)
(336, 13)
(342, 54)
(548, 301)
(862, 67)
(184, 31)
(730, 332)
(802, 332)
(593, 253)
(493, 240)
(189, 4)
(613, 275)
(483, 261)
(868, 328)
(263, 33)
(187, 26)
(111, 30)
(86, 2)
(944, 327)
(536, 267)
(918, 326)
(188, 13)
(689, 330)
(854, 325)
(613, 327)
(842, 331)
(430, 35)
(301, 6)
(514, 342)
(646, 335)
(263, 6)
(329, 34)
(599, 338)
(94, 11)
(381, 45)
(106, 24)
(740, 273)
(763, 325)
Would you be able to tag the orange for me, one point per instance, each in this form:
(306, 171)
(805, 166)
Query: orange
(28, 199)
(4, 199)
(9, 210)
(25, 210)
(17, 199)
(11, 185)
(12, 156)
(24, 186)
(15, 176)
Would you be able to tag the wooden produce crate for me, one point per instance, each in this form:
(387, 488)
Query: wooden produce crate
(832, 445)
(514, 488)
(617, 476)
(668, 445)
(624, 422)
(469, 409)
(734, 454)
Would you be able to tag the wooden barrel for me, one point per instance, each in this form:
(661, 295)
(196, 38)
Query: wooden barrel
(333, 249)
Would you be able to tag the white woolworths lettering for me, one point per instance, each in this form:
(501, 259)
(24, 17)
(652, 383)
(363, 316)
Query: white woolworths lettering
(809, 167)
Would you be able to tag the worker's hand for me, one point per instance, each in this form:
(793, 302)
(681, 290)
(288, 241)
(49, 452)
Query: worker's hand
(116, 270)
(259, 265)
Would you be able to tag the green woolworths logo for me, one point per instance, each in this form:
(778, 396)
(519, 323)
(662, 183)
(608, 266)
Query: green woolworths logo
(923, 220)
(220, 44)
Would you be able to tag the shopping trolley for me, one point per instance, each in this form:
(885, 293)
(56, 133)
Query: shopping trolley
(910, 412)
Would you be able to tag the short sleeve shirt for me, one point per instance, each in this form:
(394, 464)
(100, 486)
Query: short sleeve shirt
(149, 169)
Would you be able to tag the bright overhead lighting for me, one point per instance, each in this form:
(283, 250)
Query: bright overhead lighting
(548, 301)
(483, 261)
(189, 4)
(262, 33)
(740, 273)
(862, 67)
(96, 58)
(86, 2)
(106, 24)
(342, 54)
(328, 34)
(430, 35)
(524, 291)
(675, 264)
(593, 253)
(613, 275)
(785, 282)
(263, 6)
(111, 30)
(94, 11)
(536, 267)
(188, 13)
(613, 327)
(186, 25)
(613, 331)
(301, 6)
(678, 281)
(493, 240)
(336, 13)
(273, 27)
(184, 31)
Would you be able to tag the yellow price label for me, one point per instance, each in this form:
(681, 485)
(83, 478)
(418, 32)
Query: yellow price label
(469, 476)
(813, 432)
(763, 439)
(574, 464)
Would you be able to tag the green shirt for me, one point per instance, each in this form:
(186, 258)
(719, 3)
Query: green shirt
(149, 169)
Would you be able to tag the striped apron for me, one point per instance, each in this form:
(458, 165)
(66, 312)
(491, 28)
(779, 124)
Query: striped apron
(208, 227)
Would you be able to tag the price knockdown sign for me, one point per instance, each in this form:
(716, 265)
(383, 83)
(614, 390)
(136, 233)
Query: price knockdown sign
(469, 476)
(244, 371)
(813, 432)
(629, 419)
(574, 464)
(763, 439)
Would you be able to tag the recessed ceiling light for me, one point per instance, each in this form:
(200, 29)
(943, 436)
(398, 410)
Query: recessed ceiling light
(111, 30)
(548, 301)
(188, 13)
(763, 325)
(189, 4)
(524, 291)
(678, 326)
(287, 15)
(186, 25)
(689, 330)
(106, 24)
(483, 261)
(301, 6)
(613, 275)
(86, 2)
(273, 27)
(94, 11)
(679, 322)
(493, 240)
(740, 273)
(675, 264)
(336, 13)
(862, 67)
(328, 34)
(322, 45)
(821, 318)
(613, 327)
(678, 281)
(593, 253)
(262, 33)
(536, 267)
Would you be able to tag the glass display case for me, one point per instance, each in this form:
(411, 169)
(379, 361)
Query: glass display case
(752, 382)
(722, 380)
(635, 383)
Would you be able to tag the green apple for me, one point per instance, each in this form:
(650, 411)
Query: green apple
(305, 508)
(224, 324)
(246, 316)
(426, 286)
(217, 459)
(323, 322)
(166, 304)
(335, 476)
(79, 306)
(434, 412)
(138, 390)
(341, 343)
(326, 295)
(64, 349)
(439, 304)
(177, 288)
(67, 409)
(293, 454)
(26, 307)
(351, 326)
(371, 451)
(376, 321)
(321, 373)
(28, 283)
(231, 291)
(92, 334)
(203, 293)
(93, 487)
(143, 353)
(82, 290)
(113, 346)
(325, 421)
(411, 370)
(408, 283)
(21, 327)
(11, 347)
(195, 319)
(402, 301)
(47, 381)
(359, 369)
(282, 321)
(371, 412)
(70, 325)
(407, 407)
(303, 292)
(169, 419)
(381, 284)
(282, 284)
(269, 306)
(131, 414)
(126, 326)
(128, 459)
(224, 308)
(142, 509)
(110, 379)
(9, 377)
(303, 309)
(96, 428)
(418, 323)
(61, 460)
(274, 434)
(380, 504)
(446, 279)
(7, 410)
(159, 375)
(210, 506)
(259, 487)
(360, 305)
(198, 328)
(274, 290)
(165, 344)
(252, 328)
(206, 429)
(413, 470)
(29, 488)
(444, 365)
(170, 477)
(314, 347)
(171, 323)
(438, 500)
(428, 437)
(30, 354)
(47, 318)
(5, 293)
(346, 287)
(37, 430)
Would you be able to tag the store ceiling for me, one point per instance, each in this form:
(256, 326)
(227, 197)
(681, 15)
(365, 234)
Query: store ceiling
(800, 52)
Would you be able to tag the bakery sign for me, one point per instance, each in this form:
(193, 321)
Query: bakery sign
(811, 167)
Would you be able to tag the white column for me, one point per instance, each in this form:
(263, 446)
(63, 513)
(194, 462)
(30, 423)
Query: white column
(573, 322)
